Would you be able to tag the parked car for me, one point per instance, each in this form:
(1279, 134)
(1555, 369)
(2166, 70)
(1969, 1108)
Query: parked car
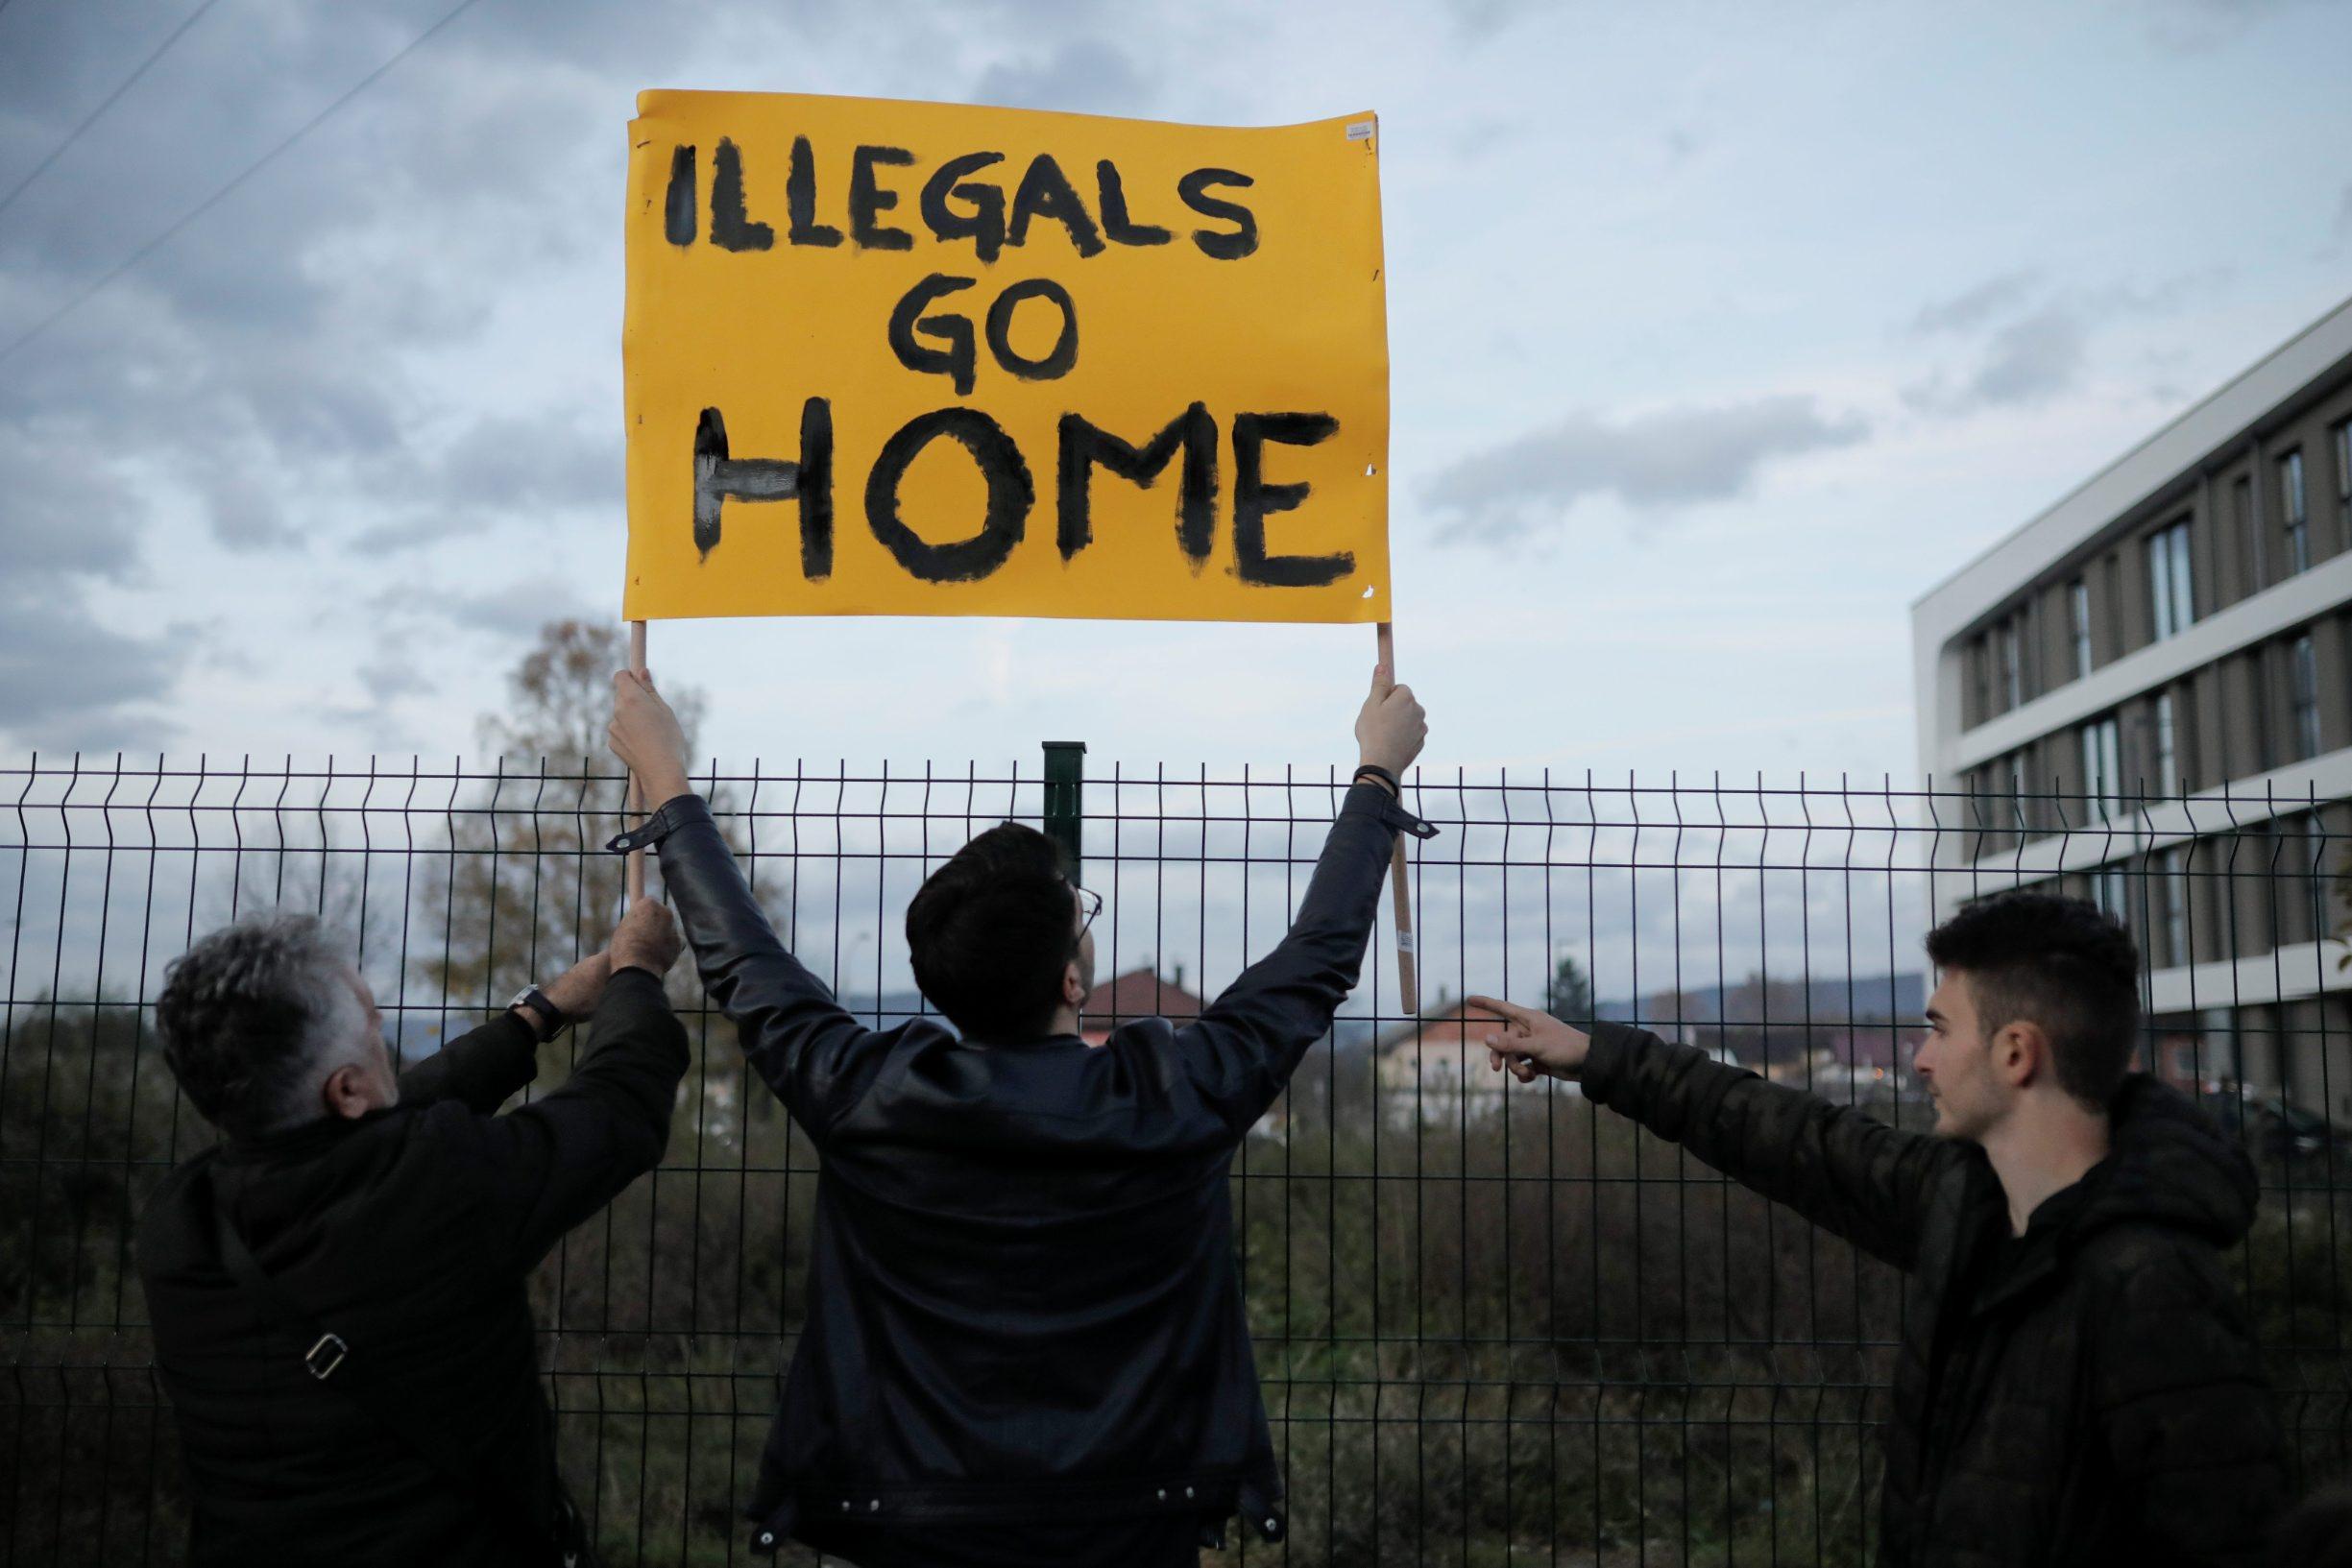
(2274, 1130)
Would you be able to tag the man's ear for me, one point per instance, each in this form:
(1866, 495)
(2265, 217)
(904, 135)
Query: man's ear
(2021, 1054)
(1073, 986)
(346, 1093)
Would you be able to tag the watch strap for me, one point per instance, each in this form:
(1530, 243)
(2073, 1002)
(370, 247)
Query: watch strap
(539, 1002)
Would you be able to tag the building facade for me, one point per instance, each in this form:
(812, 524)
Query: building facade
(2143, 697)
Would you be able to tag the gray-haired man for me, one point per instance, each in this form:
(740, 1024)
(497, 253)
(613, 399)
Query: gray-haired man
(337, 1291)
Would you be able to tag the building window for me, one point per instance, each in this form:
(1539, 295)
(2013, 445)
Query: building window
(2259, 662)
(2102, 771)
(1980, 680)
(2107, 892)
(2293, 867)
(2173, 903)
(2249, 539)
(2167, 771)
(2303, 677)
(2293, 515)
(2078, 624)
(2010, 791)
(2344, 484)
(2012, 678)
(2171, 595)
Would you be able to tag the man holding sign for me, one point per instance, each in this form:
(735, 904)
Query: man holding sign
(927, 359)
(1026, 1341)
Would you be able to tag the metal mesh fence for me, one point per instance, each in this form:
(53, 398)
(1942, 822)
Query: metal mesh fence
(1494, 1324)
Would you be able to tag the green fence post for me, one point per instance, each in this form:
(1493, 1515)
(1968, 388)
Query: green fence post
(1065, 797)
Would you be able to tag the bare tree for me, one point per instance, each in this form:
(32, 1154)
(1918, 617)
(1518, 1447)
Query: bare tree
(524, 885)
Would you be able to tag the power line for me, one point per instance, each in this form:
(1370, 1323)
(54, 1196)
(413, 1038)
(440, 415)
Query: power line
(128, 82)
(217, 197)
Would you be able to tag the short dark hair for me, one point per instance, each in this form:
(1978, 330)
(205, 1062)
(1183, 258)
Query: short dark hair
(990, 933)
(2056, 962)
(247, 1013)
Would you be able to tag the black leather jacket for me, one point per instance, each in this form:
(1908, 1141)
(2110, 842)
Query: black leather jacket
(1023, 1303)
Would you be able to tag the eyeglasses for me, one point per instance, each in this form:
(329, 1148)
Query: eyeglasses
(1094, 906)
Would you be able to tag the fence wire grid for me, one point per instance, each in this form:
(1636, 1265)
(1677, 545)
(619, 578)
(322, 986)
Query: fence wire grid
(1493, 1325)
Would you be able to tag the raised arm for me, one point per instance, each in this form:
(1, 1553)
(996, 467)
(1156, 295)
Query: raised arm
(1243, 1047)
(809, 1049)
(1848, 1173)
(561, 1158)
(484, 1066)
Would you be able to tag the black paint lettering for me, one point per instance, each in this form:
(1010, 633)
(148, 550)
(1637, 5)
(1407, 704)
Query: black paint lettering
(1253, 499)
(679, 207)
(983, 224)
(730, 227)
(718, 477)
(800, 199)
(867, 200)
(956, 360)
(1115, 223)
(1011, 496)
(1221, 246)
(1044, 193)
(1083, 445)
(1058, 359)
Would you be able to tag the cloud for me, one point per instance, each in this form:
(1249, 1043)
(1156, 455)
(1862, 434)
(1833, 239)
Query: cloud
(65, 680)
(2032, 338)
(2198, 27)
(266, 352)
(2027, 361)
(530, 467)
(1085, 76)
(1972, 308)
(1668, 458)
(1479, 19)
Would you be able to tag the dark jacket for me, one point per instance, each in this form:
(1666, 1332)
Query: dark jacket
(2086, 1393)
(409, 1232)
(1023, 1299)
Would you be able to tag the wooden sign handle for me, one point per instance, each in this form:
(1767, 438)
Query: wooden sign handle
(634, 874)
(1408, 976)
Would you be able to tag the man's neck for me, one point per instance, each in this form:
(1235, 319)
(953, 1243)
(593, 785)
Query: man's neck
(2042, 1148)
(1065, 1022)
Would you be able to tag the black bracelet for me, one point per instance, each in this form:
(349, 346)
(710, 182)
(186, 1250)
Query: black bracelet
(1376, 771)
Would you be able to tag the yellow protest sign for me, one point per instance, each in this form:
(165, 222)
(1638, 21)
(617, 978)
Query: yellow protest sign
(898, 358)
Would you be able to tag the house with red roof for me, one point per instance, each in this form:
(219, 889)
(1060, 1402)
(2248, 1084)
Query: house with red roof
(1139, 993)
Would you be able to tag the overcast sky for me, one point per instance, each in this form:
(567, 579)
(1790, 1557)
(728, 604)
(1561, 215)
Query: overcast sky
(1718, 332)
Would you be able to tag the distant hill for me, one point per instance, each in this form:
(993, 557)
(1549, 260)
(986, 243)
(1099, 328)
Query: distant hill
(1874, 999)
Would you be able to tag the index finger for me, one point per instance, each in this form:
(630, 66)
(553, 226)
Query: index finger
(1510, 1011)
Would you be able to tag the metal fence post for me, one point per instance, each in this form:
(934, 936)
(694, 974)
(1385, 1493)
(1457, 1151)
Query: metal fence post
(1065, 798)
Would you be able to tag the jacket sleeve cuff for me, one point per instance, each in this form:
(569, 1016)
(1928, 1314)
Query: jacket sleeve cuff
(1613, 1050)
(675, 814)
(1372, 800)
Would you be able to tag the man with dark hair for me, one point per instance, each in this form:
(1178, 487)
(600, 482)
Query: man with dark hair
(2077, 1382)
(1026, 1341)
(338, 1290)
(986, 931)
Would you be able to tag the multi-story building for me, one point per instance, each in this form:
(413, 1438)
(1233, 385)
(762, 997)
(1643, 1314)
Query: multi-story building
(2145, 697)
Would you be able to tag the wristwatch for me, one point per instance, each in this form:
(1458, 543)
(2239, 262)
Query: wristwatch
(539, 1002)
